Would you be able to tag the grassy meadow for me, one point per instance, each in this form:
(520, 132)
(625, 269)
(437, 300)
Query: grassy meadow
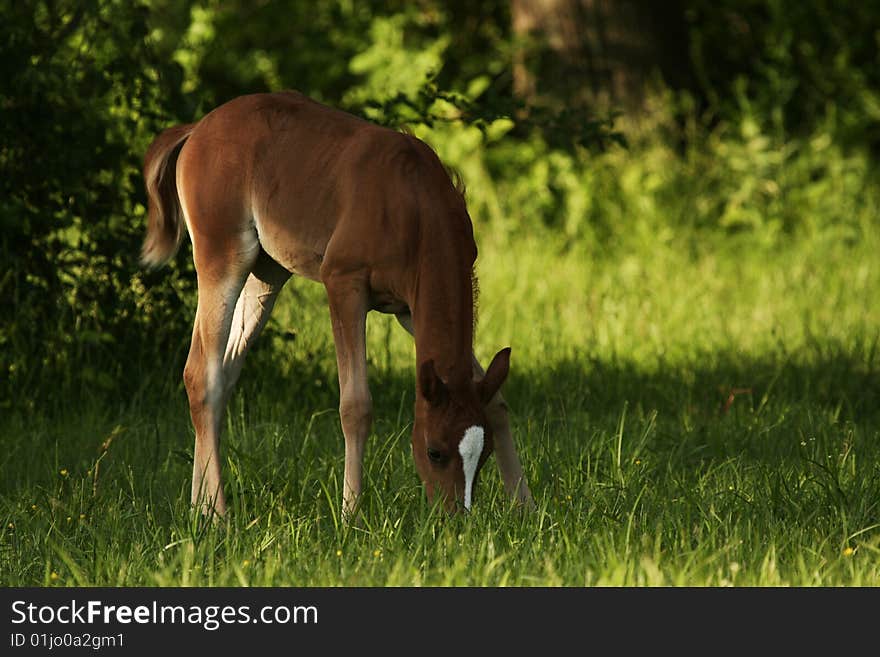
(690, 286)
(688, 413)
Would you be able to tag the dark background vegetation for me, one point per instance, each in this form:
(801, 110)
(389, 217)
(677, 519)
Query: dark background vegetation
(84, 87)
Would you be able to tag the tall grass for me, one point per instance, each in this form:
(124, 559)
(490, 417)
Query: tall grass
(695, 400)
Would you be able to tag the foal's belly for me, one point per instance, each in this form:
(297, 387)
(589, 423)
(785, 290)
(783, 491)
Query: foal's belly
(300, 261)
(299, 252)
(304, 255)
(384, 302)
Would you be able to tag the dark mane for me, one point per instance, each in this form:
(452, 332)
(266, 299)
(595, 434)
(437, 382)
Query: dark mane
(475, 284)
(457, 181)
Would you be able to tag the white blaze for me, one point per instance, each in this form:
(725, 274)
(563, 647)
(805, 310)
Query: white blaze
(470, 448)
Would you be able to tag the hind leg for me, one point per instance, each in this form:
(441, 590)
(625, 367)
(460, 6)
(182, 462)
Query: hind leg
(251, 313)
(222, 268)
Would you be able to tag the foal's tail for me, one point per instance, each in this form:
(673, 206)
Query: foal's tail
(164, 224)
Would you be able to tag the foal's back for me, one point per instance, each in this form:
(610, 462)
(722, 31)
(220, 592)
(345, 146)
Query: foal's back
(304, 178)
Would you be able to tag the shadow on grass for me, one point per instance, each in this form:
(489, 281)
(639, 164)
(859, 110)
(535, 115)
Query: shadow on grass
(774, 409)
(713, 385)
(719, 404)
(834, 379)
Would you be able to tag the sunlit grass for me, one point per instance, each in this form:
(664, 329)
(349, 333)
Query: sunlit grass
(686, 416)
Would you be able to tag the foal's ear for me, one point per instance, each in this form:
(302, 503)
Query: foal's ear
(495, 375)
(431, 385)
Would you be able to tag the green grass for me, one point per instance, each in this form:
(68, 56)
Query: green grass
(621, 370)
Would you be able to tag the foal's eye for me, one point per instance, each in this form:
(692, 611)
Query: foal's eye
(436, 456)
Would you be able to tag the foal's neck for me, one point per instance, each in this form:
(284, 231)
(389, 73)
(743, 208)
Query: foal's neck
(443, 318)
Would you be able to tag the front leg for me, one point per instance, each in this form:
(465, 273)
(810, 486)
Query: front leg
(505, 451)
(347, 297)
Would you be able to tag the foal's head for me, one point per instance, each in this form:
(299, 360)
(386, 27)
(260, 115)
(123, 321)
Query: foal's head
(451, 436)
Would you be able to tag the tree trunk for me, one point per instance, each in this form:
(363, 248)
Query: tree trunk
(596, 53)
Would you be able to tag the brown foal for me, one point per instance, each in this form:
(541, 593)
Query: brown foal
(270, 185)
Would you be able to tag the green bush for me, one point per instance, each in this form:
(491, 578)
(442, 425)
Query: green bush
(82, 95)
(775, 143)
(802, 66)
(733, 180)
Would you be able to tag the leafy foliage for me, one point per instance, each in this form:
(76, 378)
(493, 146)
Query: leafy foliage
(769, 134)
(82, 94)
(795, 64)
